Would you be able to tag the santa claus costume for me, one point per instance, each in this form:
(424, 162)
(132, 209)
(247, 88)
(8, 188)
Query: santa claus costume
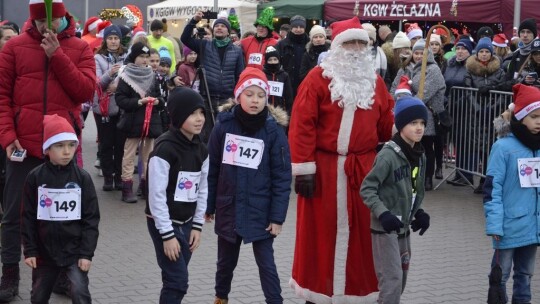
(341, 113)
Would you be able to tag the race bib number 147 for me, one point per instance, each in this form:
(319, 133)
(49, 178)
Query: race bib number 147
(242, 151)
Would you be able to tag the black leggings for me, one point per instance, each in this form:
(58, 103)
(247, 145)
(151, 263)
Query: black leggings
(428, 143)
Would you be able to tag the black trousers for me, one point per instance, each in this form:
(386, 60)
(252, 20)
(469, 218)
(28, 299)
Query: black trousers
(428, 143)
(111, 145)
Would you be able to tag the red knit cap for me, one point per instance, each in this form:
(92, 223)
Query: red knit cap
(56, 129)
(251, 77)
(37, 9)
(347, 30)
(404, 86)
(526, 100)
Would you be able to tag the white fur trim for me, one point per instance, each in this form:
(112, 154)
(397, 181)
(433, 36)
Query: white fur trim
(348, 35)
(402, 91)
(345, 128)
(58, 138)
(251, 82)
(320, 298)
(511, 106)
(505, 44)
(342, 231)
(414, 33)
(304, 168)
(92, 26)
(528, 109)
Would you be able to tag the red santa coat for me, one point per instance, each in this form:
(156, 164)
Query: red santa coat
(333, 261)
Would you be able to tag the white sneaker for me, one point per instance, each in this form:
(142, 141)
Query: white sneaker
(97, 163)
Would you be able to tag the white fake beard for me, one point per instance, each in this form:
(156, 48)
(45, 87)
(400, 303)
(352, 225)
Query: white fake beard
(353, 77)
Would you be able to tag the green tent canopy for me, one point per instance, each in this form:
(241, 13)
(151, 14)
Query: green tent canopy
(310, 9)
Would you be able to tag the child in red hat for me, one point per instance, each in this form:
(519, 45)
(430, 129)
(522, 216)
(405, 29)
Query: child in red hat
(249, 182)
(60, 216)
(510, 194)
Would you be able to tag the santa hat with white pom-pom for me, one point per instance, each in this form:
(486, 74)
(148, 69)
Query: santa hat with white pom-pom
(404, 86)
(526, 100)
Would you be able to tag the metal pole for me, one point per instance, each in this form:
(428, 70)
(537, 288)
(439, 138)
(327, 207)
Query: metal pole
(517, 13)
(85, 10)
(216, 6)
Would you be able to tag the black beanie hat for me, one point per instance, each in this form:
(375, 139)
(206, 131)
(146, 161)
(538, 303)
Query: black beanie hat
(484, 31)
(156, 25)
(529, 24)
(181, 103)
(270, 52)
(137, 49)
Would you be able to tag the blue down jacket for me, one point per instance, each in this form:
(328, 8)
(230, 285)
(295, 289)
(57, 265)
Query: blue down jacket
(245, 201)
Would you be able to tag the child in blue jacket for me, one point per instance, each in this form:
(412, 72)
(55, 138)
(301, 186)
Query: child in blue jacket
(511, 201)
(248, 182)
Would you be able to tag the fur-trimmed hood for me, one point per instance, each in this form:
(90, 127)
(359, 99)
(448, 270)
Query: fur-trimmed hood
(475, 67)
(501, 126)
(388, 51)
(279, 115)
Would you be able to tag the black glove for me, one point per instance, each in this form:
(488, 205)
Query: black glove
(445, 119)
(421, 221)
(390, 222)
(483, 91)
(305, 185)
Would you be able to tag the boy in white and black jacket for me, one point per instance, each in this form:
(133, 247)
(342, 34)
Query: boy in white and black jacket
(178, 190)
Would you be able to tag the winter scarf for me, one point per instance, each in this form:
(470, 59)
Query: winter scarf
(222, 42)
(413, 154)
(524, 50)
(251, 123)
(138, 78)
(531, 141)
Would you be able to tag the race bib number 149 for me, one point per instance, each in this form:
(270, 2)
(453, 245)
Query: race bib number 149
(242, 151)
(59, 204)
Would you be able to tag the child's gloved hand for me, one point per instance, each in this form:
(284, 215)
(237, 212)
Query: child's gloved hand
(421, 221)
(305, 185)
(390, 222)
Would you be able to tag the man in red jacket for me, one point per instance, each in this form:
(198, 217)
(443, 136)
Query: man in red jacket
(42, 72)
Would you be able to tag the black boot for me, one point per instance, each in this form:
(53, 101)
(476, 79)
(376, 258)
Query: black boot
(428, 185)
(9, 285)
(118, 182)
(108, 183)
(438, 173)
(127, 192)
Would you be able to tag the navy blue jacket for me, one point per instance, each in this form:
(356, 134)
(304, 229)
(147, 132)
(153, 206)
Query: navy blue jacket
(245, 201)
(221, 76)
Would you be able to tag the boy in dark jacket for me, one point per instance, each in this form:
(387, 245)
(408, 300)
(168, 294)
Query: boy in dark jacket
(249, 182)
(394, 190)
(178, 189)
(60, 216)
(280, 89)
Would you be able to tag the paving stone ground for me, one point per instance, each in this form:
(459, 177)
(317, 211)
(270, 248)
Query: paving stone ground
(449, 263)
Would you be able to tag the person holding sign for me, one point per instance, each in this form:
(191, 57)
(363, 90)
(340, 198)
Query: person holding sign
(175, 208)
(510, 193)
(249, 182)
(60, 216)
(280, 89)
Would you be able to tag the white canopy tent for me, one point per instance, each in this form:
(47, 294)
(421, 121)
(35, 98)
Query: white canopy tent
(179, 12)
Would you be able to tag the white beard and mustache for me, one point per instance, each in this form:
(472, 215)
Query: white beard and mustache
(352, 75)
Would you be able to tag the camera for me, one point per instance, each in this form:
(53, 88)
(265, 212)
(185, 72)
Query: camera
(18, 155)
(533, 75)
(209, 15)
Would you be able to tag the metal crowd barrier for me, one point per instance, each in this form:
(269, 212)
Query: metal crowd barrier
(469, 140)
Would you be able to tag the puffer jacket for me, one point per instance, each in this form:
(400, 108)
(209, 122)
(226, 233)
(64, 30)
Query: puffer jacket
(252, 45)
(245, 201)
(479, 75)
(311, 56)
(32, 85)
(434, 89)
(221, 75)
(510, 210)
(103, 66)
(392, 172)
(61, 243)
(454, 75)
(127, 99)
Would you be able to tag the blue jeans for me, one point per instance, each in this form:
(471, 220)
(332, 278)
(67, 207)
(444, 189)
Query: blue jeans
(174, 274)
(44, 277)
(264, 256)
(523, 259)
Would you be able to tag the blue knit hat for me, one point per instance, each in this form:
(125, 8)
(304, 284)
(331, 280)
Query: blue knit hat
(164, 56)
(484, 43)
(112, 30)
(408, 109)
(466, 43)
